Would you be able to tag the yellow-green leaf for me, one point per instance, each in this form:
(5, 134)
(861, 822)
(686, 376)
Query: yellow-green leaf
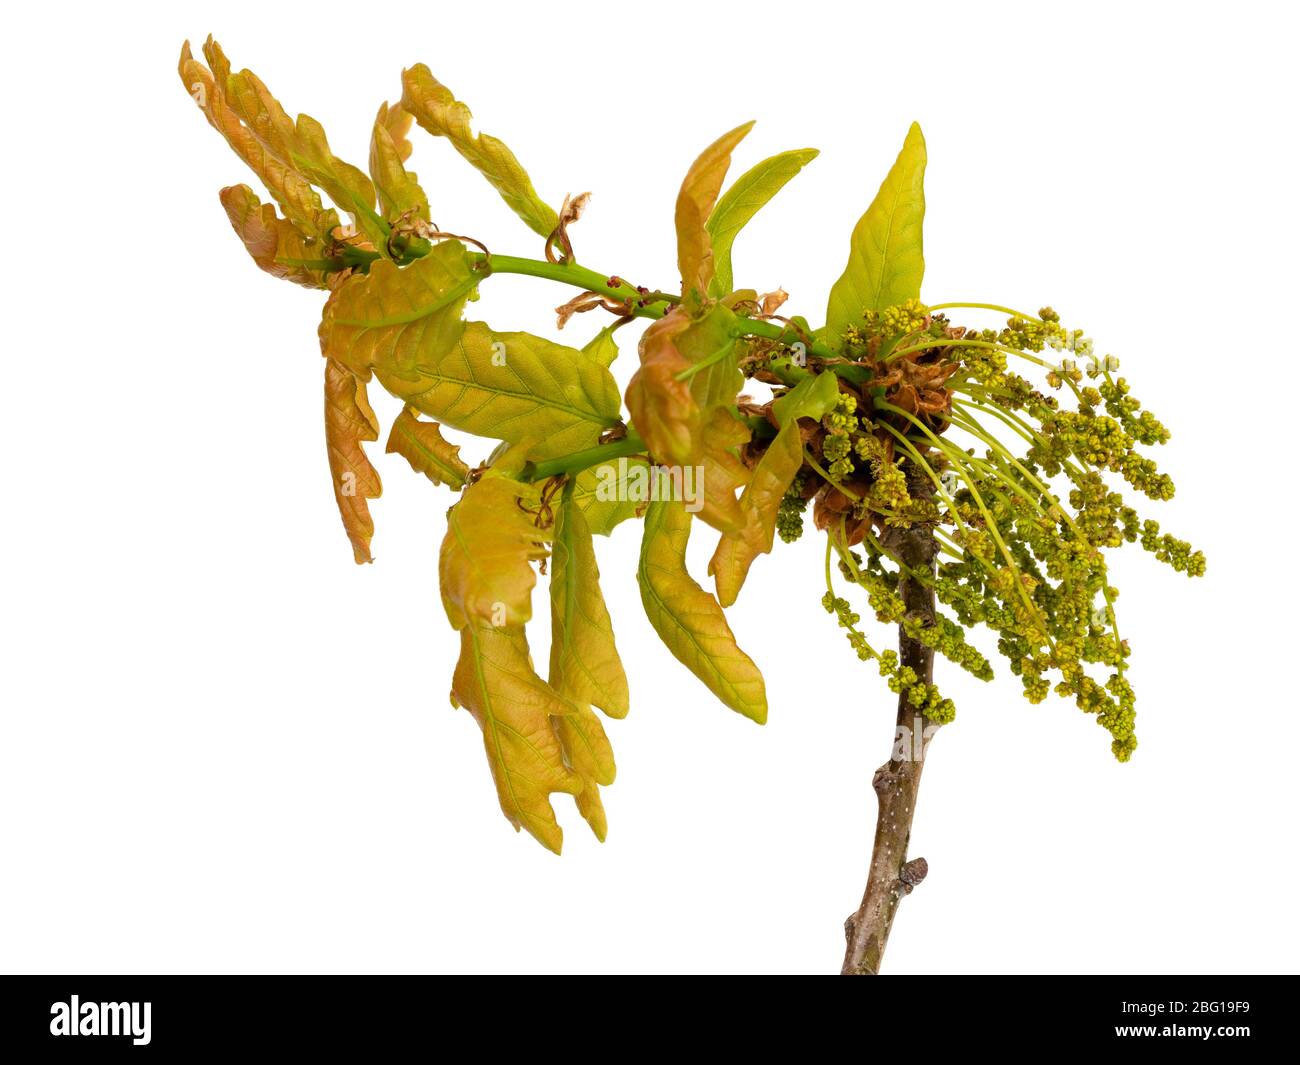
(585, 667)
(438, 112)
(301, 146)
(398, 319)
(886, 260)
(515, 708)
(699, 192)
(485, 566)
(709, 345)
(398, 188)
(300, 202)
(741, 202)
(688, 619)
(602, 494)
(603, 348)
(348, 421)
(422, 444)
(274, 243)
(404, 324)
(587, 752)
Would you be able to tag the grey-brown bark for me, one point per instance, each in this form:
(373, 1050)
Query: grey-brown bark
(896, 783)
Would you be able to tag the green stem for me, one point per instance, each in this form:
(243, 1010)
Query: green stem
(984, 307)
(592, 456)
(579, 277)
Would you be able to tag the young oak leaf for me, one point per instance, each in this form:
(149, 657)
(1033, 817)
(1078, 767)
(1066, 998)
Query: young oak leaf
(773, 474)
(485, 567)
(422, 444)
(688, 619)
(300, 202)
(585, 667)
(603, 493)
(349, 420)
(587, 752)
(709, 345)
(687, 370)
(404, 325)
(723, 472)
(275, 244)
(661, 406)
(301, 146)
(695, 200)
(515, 387)
(602, 348)
(397, 319)
(886, 259)
(438, 112)
(746, 197)
(515, 708)
(398, 188)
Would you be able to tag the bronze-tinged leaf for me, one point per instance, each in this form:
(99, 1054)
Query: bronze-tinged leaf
(493, 537)
(398, 188)
(301, 146)
(275, 245)
(398, 123)
(688, 619)
(723, 471)
(404, 324)
(661, 406)
(515, 708)
(422, 444)
(400, 319)
(585, 667)
(300, 202)
(699, 192)
(773, 474)
(759, 503)
(349, 421)
(886, 260)
(438, 112)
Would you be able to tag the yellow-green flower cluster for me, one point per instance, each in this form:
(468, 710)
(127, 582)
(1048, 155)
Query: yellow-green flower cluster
(1022, 536)
(789, 514)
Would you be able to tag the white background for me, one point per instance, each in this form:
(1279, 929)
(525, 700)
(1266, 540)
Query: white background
(225, 747)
